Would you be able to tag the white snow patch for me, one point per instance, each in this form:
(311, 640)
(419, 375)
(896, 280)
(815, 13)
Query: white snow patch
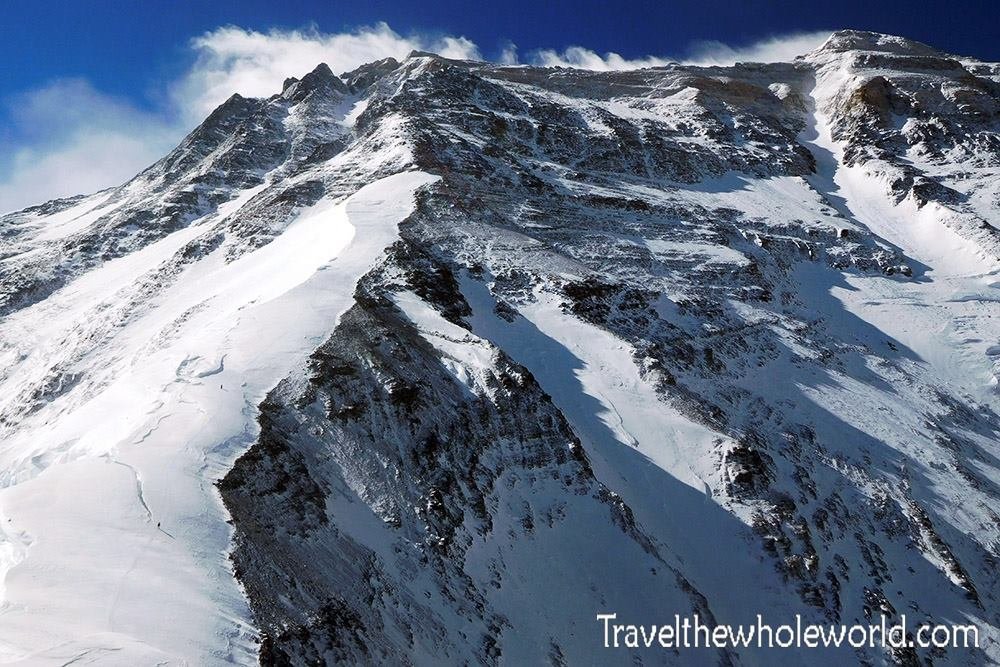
(466, 356)
(76, 218)
(949, 319)
(661, 462)
(114, 542)
(705, 253)
(356, 110)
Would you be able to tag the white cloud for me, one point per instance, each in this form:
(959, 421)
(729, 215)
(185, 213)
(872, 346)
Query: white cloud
(76, 140)
(72, 139)
(508, 55)
(772, 49)
(87, 163)
(581, 58)
(233, 60)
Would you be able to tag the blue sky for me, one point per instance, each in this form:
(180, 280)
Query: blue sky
(111, 84)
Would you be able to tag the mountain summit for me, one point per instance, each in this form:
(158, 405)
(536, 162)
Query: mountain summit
(434, 361)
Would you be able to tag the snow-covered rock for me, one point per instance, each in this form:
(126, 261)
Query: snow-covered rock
(434, 361)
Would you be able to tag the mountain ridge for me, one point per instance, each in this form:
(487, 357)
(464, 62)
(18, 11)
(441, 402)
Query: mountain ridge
(501, 348)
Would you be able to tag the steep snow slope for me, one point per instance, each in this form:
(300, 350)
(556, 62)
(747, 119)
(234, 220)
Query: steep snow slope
(715, 341)
(130, 462)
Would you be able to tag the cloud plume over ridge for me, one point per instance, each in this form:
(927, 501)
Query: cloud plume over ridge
(99, 141)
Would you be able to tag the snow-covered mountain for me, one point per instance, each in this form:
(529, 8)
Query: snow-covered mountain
(434, 361)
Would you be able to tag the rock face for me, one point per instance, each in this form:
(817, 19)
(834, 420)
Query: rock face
(718, 341)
